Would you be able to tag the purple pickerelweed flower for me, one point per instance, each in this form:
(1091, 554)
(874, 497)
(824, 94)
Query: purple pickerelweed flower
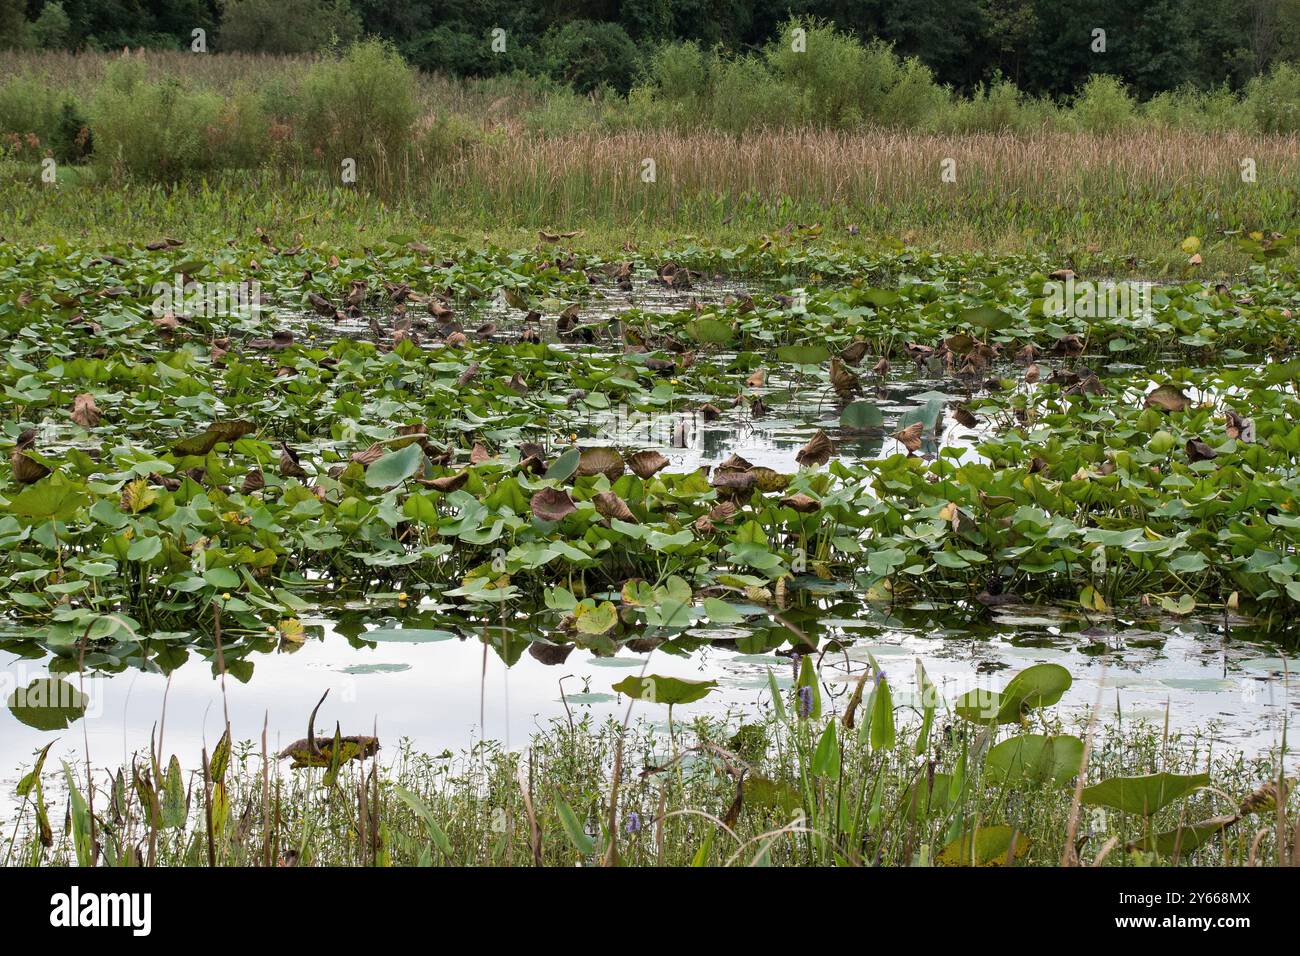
(880, 676)
(805, 701)
(633, 824)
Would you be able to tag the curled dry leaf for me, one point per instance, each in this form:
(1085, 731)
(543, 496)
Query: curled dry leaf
(818, 451)
(84, 411)
(757, 379)
(290, 464)
(965, 417)
(600, 461)
(1168, 398)
(552, 504)
(801, 503)
(843, 381)
(610, 505)
(369, 455)
(26, 470)
(645, 464)
(253, 481)
(479, 454)
(854, 351)
(910, 437)
(1199, 451)
(447, 483)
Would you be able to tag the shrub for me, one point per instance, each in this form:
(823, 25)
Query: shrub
(72, 141)
(589, 55)
(28, 105)
(360, 105)
(832, 70)
(679, 71)
(1104, 105)
(744, 95)
(151, 130)
(1273, 100)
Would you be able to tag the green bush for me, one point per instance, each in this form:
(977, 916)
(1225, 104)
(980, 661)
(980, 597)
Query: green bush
(744, 95)
(1104, 105)
(28, 105)
(152, 130)
(361, 105)
(1273, 100)
(588, 55)
(73, 141)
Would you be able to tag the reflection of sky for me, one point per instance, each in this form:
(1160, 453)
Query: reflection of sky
(430, 692)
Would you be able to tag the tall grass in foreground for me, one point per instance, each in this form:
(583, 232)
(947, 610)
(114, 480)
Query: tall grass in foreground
(717, 792)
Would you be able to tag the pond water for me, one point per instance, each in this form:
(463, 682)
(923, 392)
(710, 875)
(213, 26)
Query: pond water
(1221, 677)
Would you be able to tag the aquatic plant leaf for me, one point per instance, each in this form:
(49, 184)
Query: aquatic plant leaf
(861, 416)
(572, 829)
(826, 758)
(645, 464)
(56, 497)
(987, 846)
(395, 467)
(562, 468)
(818, 451)
(1034, 760)
(1145, 794)
(552, 504)
(1040, 685)
(657, 689)
(1168, 398)
(217, 432)
(407, 635)
(47, 704)
(597, 619)
(600, 461)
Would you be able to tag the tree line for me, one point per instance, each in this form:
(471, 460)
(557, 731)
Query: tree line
(1045, 47)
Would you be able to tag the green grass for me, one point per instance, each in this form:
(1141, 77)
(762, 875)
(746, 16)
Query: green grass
(675, 803)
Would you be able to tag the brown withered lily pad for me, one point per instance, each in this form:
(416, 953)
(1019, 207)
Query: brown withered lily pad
(290, 464)
(843, 381)
(369, 455)
(84, 411)
(253, 481)
(610, 505)
(552, 504)
(646, 464)
(854, 351)
(216, 433)
(733, 480)
(600, 461)
(769, 480)
(801, 503)
(735, 463)
(910, 437)
(1168, 398)
(1199, 451)
(447, 483)
(818, 451)
(479, 454)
